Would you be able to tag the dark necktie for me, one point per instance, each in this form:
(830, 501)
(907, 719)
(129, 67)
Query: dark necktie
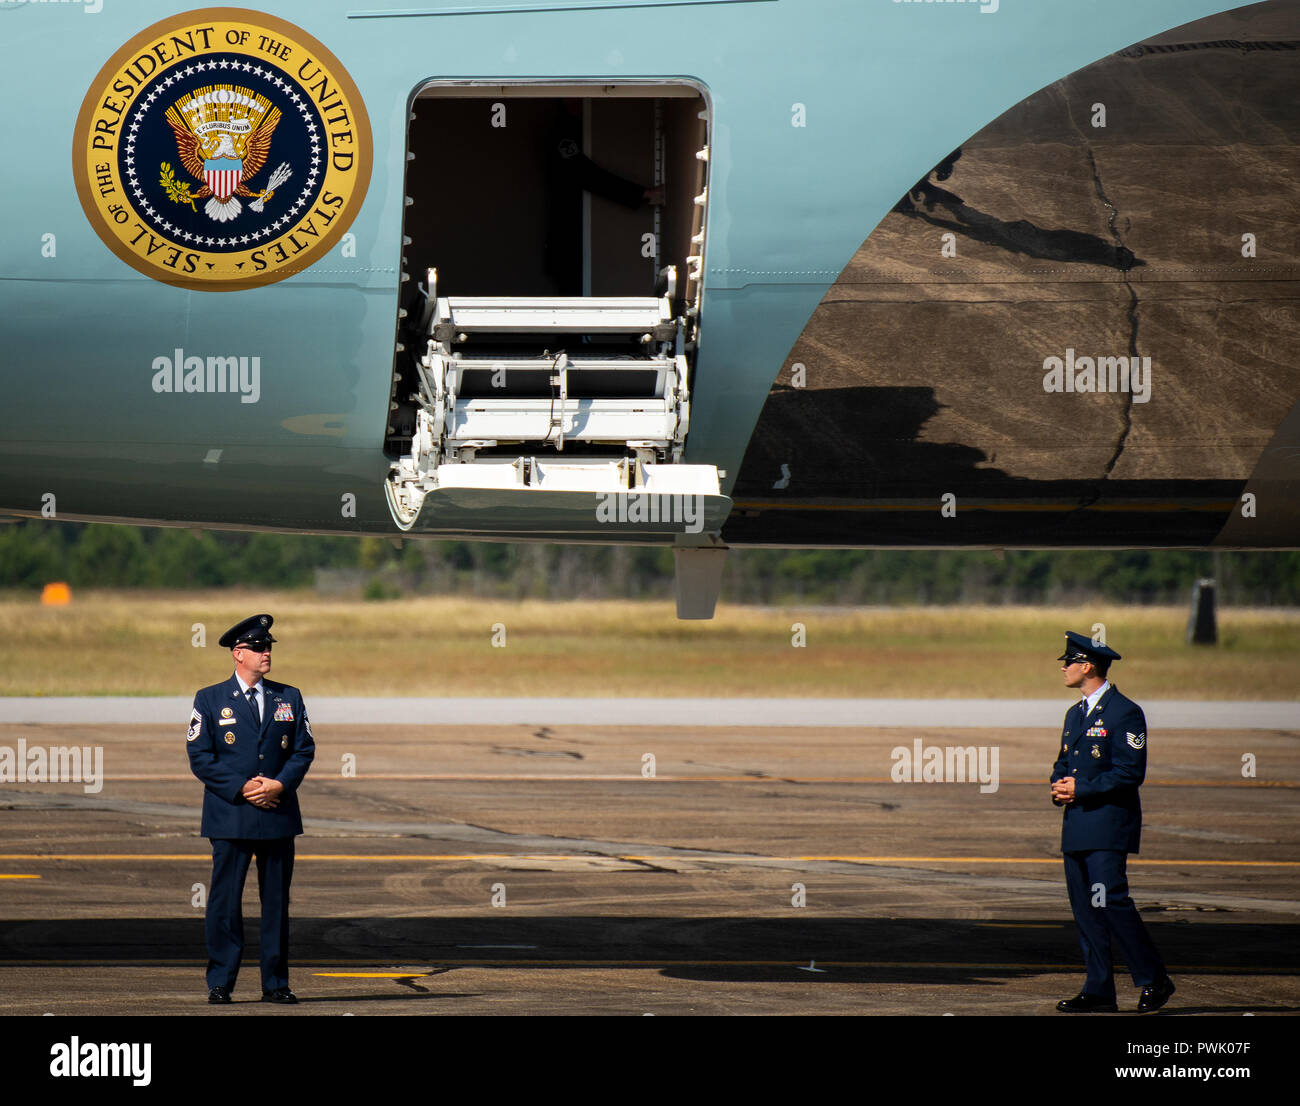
(252, 702)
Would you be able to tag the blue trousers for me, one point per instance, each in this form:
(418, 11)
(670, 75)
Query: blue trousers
(224, 922)
(1117, 921)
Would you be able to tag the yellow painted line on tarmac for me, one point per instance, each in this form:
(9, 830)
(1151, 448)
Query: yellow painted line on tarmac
(1200, 969)
(769, 778)
(4, 876)
(566, 777)
(1030, 860)
(1219, 783)
(909, 965)
(582, 963)
(1021, 925)
(372, 975)
(706, 858)
(105, 856)
(927, 508)
(574, 962)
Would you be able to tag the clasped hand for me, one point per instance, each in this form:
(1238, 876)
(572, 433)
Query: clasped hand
(1063, 790)
(263, 792)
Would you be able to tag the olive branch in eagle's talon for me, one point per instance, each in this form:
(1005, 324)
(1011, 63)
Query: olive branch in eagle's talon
(177, 191)
(282, 174)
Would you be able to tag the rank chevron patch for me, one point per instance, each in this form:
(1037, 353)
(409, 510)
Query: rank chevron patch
(222, 149)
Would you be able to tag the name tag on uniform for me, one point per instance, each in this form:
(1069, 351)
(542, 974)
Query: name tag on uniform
(284, 713)
(226, 721)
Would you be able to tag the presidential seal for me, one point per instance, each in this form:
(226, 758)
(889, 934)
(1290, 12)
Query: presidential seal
(222, 149)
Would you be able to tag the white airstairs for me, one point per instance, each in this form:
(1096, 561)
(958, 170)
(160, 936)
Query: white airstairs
(548, 397)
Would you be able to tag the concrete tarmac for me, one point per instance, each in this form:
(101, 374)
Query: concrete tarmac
(398, 710)
(665, 869)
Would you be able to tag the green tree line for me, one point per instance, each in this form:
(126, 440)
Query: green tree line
(33, 553)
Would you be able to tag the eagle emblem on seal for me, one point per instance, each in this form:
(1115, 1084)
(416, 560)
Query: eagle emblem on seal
(223, 139)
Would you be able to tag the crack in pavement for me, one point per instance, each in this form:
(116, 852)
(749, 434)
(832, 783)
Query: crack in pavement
(1121, 250)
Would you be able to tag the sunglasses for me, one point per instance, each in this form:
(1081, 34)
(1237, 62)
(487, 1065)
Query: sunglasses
(254, 648)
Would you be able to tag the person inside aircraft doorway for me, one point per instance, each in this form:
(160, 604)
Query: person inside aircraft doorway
(570, 173)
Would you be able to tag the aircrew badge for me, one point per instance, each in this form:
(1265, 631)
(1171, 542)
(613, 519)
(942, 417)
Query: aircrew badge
(230, 739)
(1096, 750)
(196, 726)
(222, 149)
(284, 713)
(1136, 741)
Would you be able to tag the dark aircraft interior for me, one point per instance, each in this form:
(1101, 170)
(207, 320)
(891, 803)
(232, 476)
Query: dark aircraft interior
(549, 191)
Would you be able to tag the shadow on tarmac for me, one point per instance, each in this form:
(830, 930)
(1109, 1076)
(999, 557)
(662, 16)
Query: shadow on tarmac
(851, 950)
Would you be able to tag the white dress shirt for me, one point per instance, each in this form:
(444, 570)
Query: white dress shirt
(1090, 701)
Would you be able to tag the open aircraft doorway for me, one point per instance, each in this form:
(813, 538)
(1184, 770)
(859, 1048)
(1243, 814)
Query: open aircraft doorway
(553, 246)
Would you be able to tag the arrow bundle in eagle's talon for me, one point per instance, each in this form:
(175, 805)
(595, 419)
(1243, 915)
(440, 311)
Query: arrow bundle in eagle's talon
(282, 174)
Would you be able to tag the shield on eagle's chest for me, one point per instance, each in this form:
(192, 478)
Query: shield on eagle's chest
(223, 175)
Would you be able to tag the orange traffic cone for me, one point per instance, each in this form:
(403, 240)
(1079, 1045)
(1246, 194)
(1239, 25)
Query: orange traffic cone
(56, 595)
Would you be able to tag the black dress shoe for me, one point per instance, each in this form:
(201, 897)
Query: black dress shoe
(281, 995)
(1156, 995)
(219, 995)
(1084, 1003)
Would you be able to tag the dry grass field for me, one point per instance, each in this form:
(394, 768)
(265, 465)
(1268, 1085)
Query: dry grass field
(129, 643)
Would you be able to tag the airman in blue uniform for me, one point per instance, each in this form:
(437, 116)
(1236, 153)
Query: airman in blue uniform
(250, 743)
(1102, 763)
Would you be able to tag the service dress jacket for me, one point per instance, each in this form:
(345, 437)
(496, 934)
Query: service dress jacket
(228, 747)
(1106, 753)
